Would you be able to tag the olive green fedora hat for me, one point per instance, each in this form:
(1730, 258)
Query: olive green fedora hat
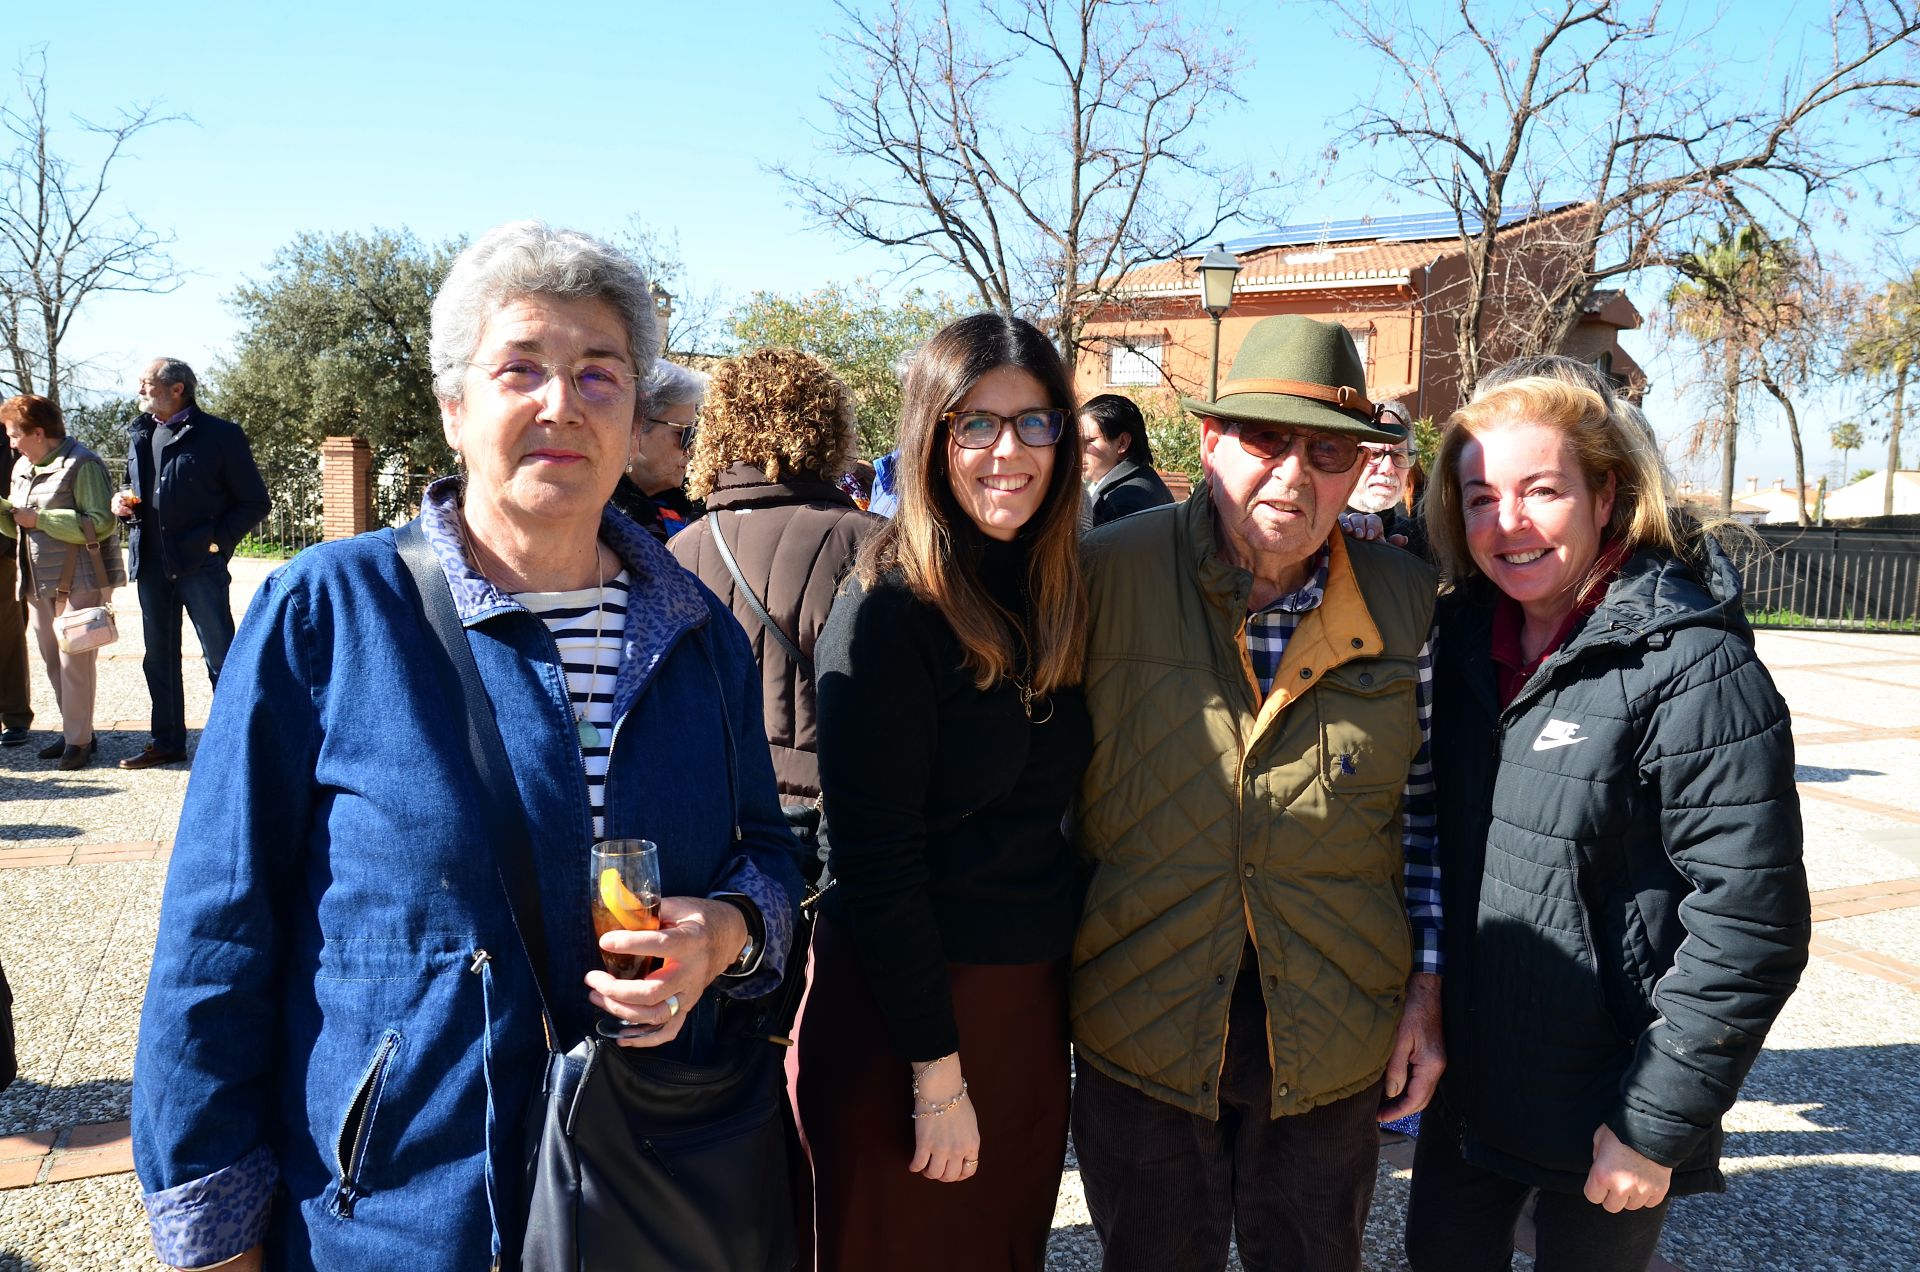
(1299, 373)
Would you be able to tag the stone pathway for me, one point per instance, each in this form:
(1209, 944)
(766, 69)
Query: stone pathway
(1820, 1151)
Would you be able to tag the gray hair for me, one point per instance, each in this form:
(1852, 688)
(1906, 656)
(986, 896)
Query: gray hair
(524, 259)
(174, 371)
(674, 385)
(1399, 411)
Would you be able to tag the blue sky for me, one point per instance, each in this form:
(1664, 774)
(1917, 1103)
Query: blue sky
(446, 118)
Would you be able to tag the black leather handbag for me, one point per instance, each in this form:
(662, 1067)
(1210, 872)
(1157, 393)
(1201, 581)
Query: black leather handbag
(634, 1161)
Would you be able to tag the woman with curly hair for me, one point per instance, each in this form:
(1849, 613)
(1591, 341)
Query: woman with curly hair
(776, 430)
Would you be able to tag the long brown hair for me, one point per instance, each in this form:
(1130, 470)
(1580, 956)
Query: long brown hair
(934, 544)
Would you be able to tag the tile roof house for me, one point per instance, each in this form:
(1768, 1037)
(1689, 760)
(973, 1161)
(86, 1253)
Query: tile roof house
(1388, 279)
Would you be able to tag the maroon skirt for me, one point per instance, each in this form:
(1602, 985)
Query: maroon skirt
(853, 1101)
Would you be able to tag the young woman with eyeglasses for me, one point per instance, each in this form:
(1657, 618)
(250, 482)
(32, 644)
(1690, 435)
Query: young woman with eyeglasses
(932, 1061)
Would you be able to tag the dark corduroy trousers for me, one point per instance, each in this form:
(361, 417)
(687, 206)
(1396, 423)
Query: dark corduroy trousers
(1167, 1187)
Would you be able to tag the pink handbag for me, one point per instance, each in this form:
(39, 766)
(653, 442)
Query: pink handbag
(79, 630)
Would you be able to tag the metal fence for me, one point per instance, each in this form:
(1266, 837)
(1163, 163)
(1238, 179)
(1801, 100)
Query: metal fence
(1835, 579)
(292, 523)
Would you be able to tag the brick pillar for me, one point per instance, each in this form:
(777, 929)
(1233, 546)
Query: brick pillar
(346, 487)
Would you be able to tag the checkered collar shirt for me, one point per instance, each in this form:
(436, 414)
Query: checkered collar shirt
(1268, 631)
(1270, 628)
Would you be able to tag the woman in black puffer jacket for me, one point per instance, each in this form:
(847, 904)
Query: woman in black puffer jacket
(1626, 905)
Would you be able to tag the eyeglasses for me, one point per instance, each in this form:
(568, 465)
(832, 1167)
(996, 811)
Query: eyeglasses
(1401, 459)
(685, 431)
(598, 382)
(979, 430)
(1330, 453)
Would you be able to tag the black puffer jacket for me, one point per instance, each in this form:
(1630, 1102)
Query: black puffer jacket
(1626, 905)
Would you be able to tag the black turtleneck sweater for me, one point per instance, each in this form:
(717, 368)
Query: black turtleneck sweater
(944, 803)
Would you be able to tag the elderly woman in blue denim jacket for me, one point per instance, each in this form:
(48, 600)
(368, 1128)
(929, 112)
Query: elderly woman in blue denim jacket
(342, 1032)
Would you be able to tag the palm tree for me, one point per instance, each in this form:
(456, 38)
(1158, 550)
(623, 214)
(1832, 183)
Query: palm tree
(1846, 439)
(1724, 299)
(1886, 347)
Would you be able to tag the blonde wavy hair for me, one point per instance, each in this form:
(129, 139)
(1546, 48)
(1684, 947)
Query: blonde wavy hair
(930, 540)
(1609, 437)
(781, 410)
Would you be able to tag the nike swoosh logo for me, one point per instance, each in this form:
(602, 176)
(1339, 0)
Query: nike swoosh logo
(1558, 733)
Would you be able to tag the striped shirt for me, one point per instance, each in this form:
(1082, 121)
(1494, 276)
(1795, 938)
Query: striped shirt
(588, 626)
(1267, 634)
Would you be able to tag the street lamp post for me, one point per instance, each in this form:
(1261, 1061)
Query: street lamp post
(1217, 269)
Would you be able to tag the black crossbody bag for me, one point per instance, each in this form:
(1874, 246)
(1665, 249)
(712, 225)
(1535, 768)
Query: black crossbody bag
(633, 1161)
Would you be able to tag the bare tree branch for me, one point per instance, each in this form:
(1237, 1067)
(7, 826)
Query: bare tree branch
(60, 243)
(1614, 107)
(1042, 219)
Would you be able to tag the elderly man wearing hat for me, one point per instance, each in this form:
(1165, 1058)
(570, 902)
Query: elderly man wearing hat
(1255, 979)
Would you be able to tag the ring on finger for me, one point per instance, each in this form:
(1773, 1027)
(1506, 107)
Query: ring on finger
(673, 1006)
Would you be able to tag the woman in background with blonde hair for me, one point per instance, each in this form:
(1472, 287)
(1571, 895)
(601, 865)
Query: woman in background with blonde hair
(932, 1080)
(1626, 906)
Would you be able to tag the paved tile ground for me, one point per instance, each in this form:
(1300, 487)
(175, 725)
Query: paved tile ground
(1824, 1173)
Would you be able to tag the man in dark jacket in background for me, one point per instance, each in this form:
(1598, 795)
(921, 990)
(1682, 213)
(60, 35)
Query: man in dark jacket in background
(193, 492)
(1116, 460)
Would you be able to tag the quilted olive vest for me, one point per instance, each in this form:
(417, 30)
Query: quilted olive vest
(1212, 815)
(51, 487)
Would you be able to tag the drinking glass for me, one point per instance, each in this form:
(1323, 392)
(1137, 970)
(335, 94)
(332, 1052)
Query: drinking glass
(625, 888)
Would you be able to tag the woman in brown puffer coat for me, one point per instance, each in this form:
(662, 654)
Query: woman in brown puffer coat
(777, 428)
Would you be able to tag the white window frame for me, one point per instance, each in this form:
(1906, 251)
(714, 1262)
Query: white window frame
(1136, 361)
(1363, 341)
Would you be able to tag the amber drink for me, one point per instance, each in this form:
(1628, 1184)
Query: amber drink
(625, 897)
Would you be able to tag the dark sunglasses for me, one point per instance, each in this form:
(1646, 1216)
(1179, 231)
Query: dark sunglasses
(684, 432)
(1331, 453)
(978, 430)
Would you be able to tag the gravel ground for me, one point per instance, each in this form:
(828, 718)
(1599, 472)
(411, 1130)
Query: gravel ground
(1818, 1172)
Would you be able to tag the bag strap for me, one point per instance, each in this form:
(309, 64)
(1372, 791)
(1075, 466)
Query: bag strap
(786, 642)
(488, 753)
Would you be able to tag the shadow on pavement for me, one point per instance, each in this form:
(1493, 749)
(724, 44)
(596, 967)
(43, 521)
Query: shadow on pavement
(1814, 773)
(1793, 1200)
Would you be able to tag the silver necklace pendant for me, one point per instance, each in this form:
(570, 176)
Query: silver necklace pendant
(588, 731)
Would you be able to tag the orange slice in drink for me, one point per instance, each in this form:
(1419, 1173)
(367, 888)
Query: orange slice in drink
(627, 908)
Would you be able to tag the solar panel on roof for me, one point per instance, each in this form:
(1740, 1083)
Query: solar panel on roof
(1409, 228)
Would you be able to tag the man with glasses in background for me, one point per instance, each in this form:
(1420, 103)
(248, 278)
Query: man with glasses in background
(1255, 979)
(651, 491)
(1386, 485)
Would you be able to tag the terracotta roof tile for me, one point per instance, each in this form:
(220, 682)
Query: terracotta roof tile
(1363, 264)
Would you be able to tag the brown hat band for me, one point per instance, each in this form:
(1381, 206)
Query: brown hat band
(1344, 396)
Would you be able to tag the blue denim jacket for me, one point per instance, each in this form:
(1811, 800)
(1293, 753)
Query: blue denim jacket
(327, 1061)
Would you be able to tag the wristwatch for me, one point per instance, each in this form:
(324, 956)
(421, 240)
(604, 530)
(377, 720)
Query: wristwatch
(754, 952)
